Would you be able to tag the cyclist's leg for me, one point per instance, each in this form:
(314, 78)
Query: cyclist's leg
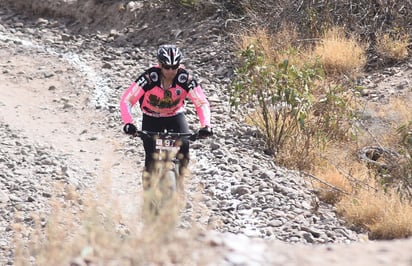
(148, 145)
(183, 155)
(149, 124)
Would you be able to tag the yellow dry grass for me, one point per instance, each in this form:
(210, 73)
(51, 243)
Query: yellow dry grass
(338, 184)
(340, 54)
(84, 229)
(260, 39)
(384, 214)
(392, 47)
(284, 44)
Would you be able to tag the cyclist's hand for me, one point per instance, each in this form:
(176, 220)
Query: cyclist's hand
(130, 129)
(205, 132)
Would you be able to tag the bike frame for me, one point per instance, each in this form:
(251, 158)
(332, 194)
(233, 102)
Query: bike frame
(167, 147)
(164, 180)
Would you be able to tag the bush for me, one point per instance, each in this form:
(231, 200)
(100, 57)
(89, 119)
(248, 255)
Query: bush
(291, 103)
(280, 94)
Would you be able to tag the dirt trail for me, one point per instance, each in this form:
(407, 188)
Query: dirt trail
(38, 99)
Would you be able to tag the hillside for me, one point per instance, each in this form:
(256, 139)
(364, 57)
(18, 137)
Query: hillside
(62, 72)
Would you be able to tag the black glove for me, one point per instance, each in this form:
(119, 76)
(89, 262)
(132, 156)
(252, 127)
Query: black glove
(205, 132)
(130, 129)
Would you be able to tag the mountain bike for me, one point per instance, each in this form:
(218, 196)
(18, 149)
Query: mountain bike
(166, 172)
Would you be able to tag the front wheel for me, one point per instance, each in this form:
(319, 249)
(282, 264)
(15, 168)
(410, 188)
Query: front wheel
(168, 184)
(159, 191)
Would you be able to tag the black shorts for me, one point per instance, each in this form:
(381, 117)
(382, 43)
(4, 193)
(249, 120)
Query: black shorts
(175, 123)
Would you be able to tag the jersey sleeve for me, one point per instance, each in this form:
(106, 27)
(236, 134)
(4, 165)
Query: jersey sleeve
(197, 96)
(130, 97)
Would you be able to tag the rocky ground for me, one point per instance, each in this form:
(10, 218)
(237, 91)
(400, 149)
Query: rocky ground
(60, 127)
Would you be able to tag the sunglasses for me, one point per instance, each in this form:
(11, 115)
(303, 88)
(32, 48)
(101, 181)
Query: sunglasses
(170, 67)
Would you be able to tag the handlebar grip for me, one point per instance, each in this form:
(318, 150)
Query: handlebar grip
(194, 136)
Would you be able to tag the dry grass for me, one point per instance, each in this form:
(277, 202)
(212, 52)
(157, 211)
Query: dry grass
(83, 229)
(392, 46)
(336, 165)
(335, 184)
(359, 198)
(276, 48)
(384, 214)
(76, 230)
(261, 39)
(340, 54)
(370, 205)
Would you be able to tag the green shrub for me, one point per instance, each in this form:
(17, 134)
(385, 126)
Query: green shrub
(280, 94)
(293, 106)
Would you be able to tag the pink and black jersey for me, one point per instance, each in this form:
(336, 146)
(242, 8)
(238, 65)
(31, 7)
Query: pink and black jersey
(157, 101)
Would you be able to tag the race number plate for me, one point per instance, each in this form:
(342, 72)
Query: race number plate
(166, 144)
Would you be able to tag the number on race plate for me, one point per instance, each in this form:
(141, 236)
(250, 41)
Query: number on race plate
(165, 144)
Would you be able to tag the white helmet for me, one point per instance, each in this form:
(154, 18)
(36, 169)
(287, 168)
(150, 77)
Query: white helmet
(169, 55)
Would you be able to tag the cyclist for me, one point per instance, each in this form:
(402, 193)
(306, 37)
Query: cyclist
(161, 91)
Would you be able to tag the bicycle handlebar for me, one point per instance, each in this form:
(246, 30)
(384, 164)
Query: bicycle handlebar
(145, 133)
